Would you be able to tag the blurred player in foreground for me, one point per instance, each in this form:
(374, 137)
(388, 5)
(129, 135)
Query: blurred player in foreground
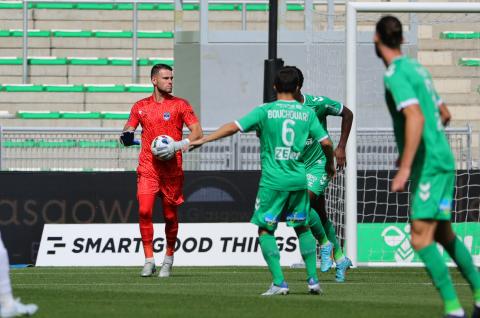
(160, 114)
(10, 307)
(283, 126)
(318, 180)
(426, 158)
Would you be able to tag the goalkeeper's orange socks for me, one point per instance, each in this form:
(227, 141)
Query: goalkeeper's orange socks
(438, 271)
(171, 226)
(146, 202)
(459, 253)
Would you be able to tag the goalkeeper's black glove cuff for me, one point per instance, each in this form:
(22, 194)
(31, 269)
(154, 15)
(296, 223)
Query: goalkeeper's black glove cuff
(127, 139)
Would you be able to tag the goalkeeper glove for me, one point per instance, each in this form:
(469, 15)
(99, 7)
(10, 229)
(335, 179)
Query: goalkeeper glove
(168, 151)
(127, 138)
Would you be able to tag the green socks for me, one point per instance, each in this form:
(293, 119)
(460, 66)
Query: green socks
(332, 237)
(438, 271)
(325, 233)
(270, 252)
(308, 249)
(317, 228)
(459, 253)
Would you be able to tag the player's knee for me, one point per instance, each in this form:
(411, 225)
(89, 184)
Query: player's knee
(420, 240)
(145, 214)
(171, 219)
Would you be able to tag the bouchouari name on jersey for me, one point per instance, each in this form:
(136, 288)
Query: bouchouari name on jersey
(288, 114)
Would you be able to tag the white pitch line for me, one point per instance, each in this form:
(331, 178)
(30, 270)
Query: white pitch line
(161, 284)
(109, 272)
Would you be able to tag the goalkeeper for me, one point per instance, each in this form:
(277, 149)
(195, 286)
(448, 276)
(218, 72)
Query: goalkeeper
(284, 126)
(318, 180)
(160, 114)
(425, 158)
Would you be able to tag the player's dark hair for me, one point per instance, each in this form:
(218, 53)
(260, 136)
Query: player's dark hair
(157, 67)
(389, 29)
(287, 80)
(300, 75)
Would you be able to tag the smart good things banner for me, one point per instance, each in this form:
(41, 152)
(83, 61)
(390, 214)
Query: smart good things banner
(200, 244)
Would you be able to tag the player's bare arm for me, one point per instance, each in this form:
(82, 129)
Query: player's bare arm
(196, 132)
(224, 131)
(327, 147)
(414, 122)
(444, 114)
(347, 119)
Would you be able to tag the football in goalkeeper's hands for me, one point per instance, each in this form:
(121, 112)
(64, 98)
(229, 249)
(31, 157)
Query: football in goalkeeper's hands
(161, 149)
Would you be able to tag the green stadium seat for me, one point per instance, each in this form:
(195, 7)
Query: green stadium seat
(72, 33)
(31, 33)
(113, 34)
(153, 61)
(98, 144)
(87, 61)
(106, 88)
(95, 6)
(22, 88)
(54, 5)
(49, 60)
(115, 115)
(63, 88)
(4, 33)
(7, 60)
(140, 6)
(37, 114)
(469, 61)
(451, 35)
(56, 144)
(155, 34)
(80, 115)
(11, 5)
(139, 88)
(29, 143)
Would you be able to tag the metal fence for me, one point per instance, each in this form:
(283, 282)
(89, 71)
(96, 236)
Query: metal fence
(91, 149)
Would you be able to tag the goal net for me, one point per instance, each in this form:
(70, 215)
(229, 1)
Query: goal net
(372, 222)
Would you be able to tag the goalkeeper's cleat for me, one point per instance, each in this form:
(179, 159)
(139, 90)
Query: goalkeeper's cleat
(277, 290)
(166, 268)
(476, 312)
(314, 287)
(341, 269)
(326, 261)
(148, 269)
(18, 309)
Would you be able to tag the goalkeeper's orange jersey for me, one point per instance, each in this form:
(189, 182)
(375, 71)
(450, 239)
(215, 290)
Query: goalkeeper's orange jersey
(165, 118)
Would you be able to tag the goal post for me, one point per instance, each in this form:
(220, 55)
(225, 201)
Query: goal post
(352, 10)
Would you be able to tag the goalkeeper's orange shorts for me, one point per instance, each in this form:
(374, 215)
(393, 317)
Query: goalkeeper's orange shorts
(170, 188)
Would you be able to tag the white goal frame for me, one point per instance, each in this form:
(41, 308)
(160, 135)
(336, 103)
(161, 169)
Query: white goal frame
(351, 95)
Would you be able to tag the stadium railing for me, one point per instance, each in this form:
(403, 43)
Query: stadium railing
(93, 149)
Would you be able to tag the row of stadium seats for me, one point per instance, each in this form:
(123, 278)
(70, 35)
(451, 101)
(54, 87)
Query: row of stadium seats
(142, 6)
(61, 144)
(36, 143)
(69, 115)
(127, 61)
(147, 34)
(70, 88)
(53, 60)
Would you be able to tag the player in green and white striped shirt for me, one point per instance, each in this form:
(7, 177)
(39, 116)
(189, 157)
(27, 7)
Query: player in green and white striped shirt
(426, 159)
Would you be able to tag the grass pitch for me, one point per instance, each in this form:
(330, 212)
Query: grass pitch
(229, 292)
